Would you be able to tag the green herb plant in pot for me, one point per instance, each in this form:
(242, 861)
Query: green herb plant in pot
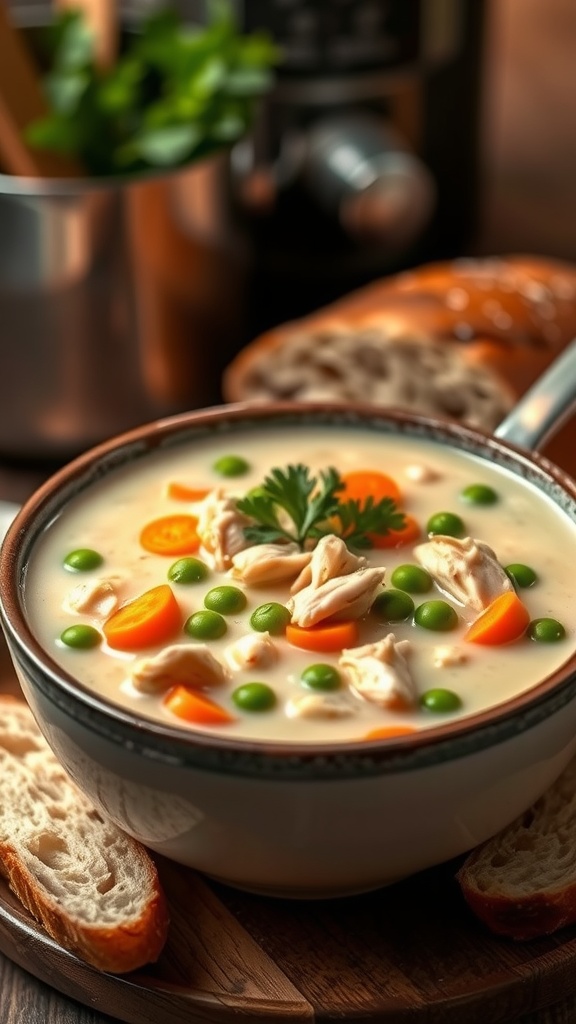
(114, 281)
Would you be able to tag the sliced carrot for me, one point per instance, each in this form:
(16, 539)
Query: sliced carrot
(152, 618)
(397, 538)
(332, 636)
(171, 535)
(195, 707)
(502, 622)
(180, 492)
(361, 484)
(386, 732)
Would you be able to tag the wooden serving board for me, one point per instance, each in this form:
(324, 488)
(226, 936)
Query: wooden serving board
(411, 953)
(407, 954)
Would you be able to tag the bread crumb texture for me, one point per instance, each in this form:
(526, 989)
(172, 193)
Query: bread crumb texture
(460, 339)
(522, 883)
(94, 888)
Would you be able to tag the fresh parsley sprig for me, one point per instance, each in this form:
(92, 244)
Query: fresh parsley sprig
(359, 519)
(292, 505)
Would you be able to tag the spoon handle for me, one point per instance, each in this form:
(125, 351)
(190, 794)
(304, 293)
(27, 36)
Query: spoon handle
(545, 407)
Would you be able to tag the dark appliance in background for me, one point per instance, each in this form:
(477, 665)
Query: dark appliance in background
(365, 158)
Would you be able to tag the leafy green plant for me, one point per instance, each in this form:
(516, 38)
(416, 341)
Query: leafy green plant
(175, 93)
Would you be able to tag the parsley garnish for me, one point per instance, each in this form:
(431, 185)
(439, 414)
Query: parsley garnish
(292, 505)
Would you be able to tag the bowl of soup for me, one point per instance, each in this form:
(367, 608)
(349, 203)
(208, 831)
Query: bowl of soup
(305, 649)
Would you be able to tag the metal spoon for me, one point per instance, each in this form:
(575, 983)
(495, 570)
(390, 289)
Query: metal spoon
(545, 407)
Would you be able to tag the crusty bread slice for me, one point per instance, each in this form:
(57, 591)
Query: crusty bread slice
(461, 338)
(522, 882)
(94, 889)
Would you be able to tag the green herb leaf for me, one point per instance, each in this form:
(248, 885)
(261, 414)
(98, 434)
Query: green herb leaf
(75, 47)
(359, 519)
(66, 90)
(175, 93)
(168, 147)
(285, 507)
(293, 505)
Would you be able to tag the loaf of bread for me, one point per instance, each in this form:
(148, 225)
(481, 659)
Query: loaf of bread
(522, 883)
(462, 339)
(94, 889)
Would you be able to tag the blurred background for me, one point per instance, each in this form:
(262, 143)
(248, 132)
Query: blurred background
(528, 143)
(396, 133)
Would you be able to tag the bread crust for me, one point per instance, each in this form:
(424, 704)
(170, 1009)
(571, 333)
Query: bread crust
(503, 317)
(522, 882)
(136, 935)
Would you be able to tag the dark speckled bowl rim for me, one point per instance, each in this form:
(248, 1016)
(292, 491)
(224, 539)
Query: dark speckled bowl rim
(166, 744)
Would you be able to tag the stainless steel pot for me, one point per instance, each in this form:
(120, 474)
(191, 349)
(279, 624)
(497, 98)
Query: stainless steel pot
(111, 304)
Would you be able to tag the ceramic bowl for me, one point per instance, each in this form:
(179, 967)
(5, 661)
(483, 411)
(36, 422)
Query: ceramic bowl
(293, 820)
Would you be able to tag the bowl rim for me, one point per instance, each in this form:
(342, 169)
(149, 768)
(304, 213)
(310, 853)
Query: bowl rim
(431, 745)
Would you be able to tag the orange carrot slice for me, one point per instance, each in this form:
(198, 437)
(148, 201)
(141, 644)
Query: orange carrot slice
(152, 618)
(361, 484)
(503, 621)
(397, 538)
(180, 492)
(386, 732)
(195, 707)
(171, 535)
(332, 636)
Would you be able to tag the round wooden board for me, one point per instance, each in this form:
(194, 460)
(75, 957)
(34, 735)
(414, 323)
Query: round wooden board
(409, 953)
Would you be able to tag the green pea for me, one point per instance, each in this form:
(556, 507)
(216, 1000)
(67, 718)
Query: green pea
(270, 618)
(412, 578)
(446, 523)
(188, 570)
(321, 677)
(393, 606)
(226, 600)
(231, 465)
(521, 575)
(436, 615)
(440, 701)
(479, 494)
(546, 631)
(254, 697)
(81, 636)
(83, 560)
(205, 625)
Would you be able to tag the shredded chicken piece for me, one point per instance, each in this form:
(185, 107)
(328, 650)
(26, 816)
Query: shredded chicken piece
(379, 673)
(191, 664)
(466, 569)
(99, 597)
(338, 585)
(255, 650)
(269, 563)
(221, 528)
(421, 474)
(345, 597)
(316, 705)
(329, 558)
(445, 657)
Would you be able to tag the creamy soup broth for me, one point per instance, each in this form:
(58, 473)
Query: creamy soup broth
(523, 526)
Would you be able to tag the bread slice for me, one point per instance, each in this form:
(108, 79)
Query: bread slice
(94, 889)
(522, 882)
(462, 339)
